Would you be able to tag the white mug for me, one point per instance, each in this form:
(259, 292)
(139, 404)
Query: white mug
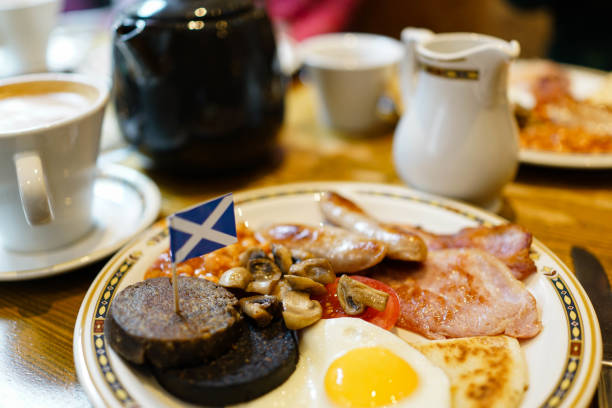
(351, 73)
(50, 127)
(25, 26)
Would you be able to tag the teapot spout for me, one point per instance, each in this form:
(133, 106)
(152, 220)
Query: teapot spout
(493, 62)
(495, 52)
(482, 58)
(514, 49)
(453, 47)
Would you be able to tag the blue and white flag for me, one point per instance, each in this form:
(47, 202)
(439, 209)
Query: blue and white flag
(202, 229)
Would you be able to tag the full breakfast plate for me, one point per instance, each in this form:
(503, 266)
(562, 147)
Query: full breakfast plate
(563, 360)
(584, 84)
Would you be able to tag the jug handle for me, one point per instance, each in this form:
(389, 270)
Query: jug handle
(411, 36)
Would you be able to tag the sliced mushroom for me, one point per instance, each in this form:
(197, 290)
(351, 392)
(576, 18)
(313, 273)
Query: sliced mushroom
(263, 287)
(265, 275)
(281, 288)
(264, 269)
(354, 296)
(251, 253)
(282, 257)
(262, 309)
(235, 278)
(305, 284)
(299, 311)
(317, 269)
(298, 255)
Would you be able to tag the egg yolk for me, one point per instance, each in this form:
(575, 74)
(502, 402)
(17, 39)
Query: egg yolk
(369, 377)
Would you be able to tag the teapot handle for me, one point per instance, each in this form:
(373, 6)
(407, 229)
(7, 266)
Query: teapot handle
(128, 29)
(411, 36)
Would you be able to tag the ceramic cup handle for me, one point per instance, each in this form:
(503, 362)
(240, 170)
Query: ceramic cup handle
(33, 188)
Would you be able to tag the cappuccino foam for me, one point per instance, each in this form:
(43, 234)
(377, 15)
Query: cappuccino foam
(22, 4)
(33, 107)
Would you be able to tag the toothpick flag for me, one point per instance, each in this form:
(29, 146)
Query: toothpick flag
(199, 230)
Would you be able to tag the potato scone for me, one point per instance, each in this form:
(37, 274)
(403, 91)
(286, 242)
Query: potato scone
(485, 372)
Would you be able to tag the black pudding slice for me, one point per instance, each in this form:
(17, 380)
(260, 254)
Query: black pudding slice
(259, 361)
(142, 326)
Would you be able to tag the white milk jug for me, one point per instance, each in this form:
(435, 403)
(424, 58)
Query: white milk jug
(458, 137)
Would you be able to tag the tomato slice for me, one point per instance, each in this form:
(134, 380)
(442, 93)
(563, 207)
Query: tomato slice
(385, 319)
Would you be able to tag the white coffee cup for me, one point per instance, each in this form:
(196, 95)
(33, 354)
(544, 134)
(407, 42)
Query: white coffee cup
(25, 26)
(50, 127)
(351, 73)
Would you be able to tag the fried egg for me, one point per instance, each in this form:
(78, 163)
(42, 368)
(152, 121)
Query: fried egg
(347, 362)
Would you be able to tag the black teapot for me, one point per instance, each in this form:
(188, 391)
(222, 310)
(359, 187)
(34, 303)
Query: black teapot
(197, 83)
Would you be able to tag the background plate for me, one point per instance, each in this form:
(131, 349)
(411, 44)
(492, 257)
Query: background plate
(566, 160)
(584, 82)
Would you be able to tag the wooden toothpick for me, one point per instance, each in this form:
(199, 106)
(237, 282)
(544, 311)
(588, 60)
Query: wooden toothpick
(177, 310)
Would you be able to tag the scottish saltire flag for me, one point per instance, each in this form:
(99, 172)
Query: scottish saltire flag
(202, 229)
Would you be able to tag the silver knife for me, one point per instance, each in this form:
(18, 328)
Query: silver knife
(593, 278)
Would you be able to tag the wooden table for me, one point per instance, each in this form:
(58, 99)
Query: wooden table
(560, 207)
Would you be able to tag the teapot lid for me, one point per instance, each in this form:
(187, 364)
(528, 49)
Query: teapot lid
(188, 9)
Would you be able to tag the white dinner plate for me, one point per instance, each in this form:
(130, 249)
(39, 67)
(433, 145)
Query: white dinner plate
(563, 360)
(566, 160)
(584, 82)
(125, 203)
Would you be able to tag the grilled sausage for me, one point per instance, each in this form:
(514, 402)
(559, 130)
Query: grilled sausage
(401, 245)
(347, 252)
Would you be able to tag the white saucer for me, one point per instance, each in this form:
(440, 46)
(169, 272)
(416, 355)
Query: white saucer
(125, 203)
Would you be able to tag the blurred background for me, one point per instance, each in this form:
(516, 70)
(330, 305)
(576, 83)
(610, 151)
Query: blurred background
(563, 30)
